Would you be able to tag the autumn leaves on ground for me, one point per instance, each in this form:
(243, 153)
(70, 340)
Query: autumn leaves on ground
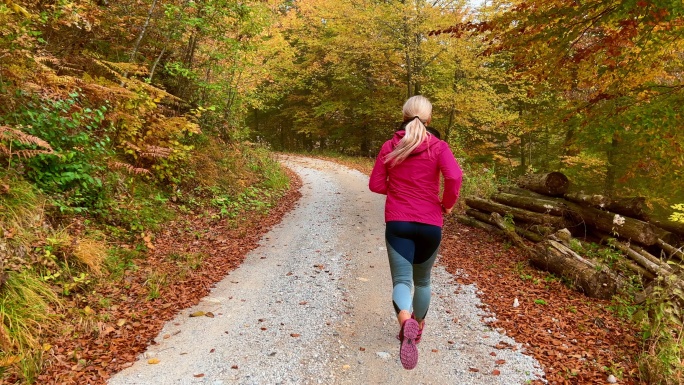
(577, 340)
(129, 125)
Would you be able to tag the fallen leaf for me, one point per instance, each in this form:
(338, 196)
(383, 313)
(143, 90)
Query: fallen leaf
(197, 314)
(153, 361)
(234, 367)
(209, 314)
(496, 372)
(198, 375)
(500, 362)
(295, 335)
(475, 370)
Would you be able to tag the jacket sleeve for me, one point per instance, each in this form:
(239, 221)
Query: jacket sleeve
(453, 177)
(378, 178)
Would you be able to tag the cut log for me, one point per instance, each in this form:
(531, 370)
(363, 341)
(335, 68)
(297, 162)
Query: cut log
(544, 206)
(565, 237)
(552, 183)
(509, 231)
(670, 250)
(652, 258)
(645, 274)
(640, 259)
(667, 237)
(520, 214)
(623, 227)
(472, 222)
(552, 256)
(595, 281)
(486, 218)
(673, 227)
(634, 207)
(598, 201)
(541, 230)
(521, 191)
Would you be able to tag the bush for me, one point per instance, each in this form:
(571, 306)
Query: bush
(72, 173)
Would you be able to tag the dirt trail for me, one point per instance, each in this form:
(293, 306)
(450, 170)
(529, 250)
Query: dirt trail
(312, 305)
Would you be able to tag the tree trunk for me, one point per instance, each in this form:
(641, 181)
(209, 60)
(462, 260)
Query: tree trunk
(520, 214)
(644, 262)
(624, 227)
(593, 280)
(673, 227)
(136, 45)
(598, 201)
(634, 207)
(486, 218)
(552, 183)
(544, 206)
(554, 257)
(611, 168)
(521, 191)
(472, 222)
(672, 252)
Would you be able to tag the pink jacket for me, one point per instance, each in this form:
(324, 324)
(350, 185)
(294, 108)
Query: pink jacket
(412, 186)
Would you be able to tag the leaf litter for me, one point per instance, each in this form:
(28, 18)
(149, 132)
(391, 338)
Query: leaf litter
(576, 339)
(136, 320)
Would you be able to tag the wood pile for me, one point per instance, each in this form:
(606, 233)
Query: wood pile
(554, 227)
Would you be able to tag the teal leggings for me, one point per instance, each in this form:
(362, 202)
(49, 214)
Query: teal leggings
(412, 249)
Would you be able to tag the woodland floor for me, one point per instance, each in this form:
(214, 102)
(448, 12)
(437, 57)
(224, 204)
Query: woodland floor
(576, 339)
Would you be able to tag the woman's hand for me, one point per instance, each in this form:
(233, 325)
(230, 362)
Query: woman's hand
(447, 210)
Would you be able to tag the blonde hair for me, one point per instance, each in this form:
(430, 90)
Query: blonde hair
(417, 111)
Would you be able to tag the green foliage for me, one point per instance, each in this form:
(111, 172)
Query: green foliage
(121, 259)
(663, 329)
(480, 181)
(72, 174)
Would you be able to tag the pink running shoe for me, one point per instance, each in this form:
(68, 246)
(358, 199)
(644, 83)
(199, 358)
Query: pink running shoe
(420, 331)
(408, 353)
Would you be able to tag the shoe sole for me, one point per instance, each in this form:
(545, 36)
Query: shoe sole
(408, 353)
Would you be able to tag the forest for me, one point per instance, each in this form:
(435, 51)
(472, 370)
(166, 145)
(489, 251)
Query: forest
(117, 117)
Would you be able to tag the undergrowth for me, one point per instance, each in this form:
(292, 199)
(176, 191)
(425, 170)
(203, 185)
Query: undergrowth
(53, 258)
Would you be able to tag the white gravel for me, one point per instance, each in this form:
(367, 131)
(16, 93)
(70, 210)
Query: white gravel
(312, 305)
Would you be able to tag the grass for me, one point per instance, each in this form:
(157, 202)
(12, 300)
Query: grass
(92, 253)
(154, 283)
(25, 309)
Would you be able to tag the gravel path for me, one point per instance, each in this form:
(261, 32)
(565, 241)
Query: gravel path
(311, 305)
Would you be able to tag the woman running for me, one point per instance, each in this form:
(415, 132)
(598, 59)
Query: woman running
(408, 170)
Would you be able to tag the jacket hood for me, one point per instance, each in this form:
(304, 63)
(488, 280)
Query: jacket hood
(429, 129)
(422, 147)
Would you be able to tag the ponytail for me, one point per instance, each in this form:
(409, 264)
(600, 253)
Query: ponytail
(417, 111)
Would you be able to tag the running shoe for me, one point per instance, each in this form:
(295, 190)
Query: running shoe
(408, 353)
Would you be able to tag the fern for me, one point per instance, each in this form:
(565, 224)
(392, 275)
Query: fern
(129, 168)
(10, 134)
(156, 152)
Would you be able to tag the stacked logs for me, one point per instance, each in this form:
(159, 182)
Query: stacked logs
(560, 224)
